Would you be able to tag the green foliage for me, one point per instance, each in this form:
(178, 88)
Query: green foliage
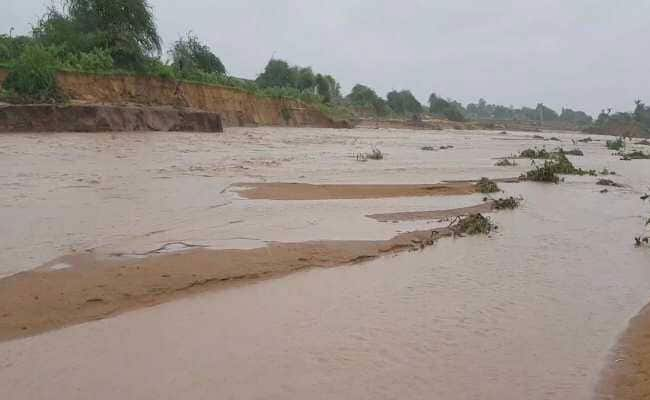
(449, 109)
(189, 55)
(96, 61)
(544, 173)
(365, 98)
(509, 203)
(125, 28)
(486, 185)
(475, 224)
(616, 145)
(12, 48)
(33, 78)
(303, 81)
(403, 102)
(537, 154)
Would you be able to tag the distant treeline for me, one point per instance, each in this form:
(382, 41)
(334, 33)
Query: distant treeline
(121, 37)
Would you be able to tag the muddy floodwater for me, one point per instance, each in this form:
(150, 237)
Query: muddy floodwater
(530, 312)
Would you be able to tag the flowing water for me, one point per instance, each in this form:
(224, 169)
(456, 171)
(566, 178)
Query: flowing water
(528, 313)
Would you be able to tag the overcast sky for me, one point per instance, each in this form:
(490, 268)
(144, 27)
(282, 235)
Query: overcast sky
(586, 54)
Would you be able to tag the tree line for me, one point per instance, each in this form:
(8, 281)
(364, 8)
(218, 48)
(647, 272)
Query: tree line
(121, 36)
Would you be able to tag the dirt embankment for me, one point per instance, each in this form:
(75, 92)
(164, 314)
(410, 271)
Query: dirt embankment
(40, 300)
(94, 118)
(236, 107)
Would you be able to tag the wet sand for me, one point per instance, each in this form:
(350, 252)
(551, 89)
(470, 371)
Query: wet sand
(91, 289)
(303, 191)
(627, 376)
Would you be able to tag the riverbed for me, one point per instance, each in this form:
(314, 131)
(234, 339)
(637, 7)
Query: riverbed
(532, 311)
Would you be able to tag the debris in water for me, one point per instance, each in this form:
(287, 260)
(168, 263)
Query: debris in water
(608, 182)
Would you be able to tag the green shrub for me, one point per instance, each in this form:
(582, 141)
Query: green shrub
(544, 173)
(538, 154)
(616, 145)
(475, 224)
(33, 79)
(96, 61)
(486, 185)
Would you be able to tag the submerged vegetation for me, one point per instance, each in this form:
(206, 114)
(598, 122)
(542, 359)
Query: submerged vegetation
(634, 155)
(617, 144)
(506, 163)
(508, 203)
(486, 185)
(375, 154)
(474, 224)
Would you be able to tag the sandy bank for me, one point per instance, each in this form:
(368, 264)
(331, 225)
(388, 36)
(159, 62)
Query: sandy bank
(37, 301)
(627, 377)
(304, 191)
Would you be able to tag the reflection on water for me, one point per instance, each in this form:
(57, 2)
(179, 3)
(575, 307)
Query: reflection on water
(529, 313)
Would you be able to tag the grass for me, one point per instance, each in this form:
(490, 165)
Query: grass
(486, 185)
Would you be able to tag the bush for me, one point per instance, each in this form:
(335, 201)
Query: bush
(486, 185)
(509, 203)
(544, 173)
(616, 145)
(635, 155)
(33, 78)
(96, 61)
(538, 154)
(475, 224)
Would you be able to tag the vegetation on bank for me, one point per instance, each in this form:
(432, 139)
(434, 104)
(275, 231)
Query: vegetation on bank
(121, 37)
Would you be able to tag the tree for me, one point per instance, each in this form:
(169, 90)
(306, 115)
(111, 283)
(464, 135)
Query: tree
(437, 105)
(305, 78)
(403, 102)
(189, 55)
(277, 73)
(362, 96)
(126, 28)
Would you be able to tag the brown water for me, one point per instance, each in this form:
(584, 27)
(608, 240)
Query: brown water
(530, 312)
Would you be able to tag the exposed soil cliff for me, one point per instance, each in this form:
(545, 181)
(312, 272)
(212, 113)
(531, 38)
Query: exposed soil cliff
(236, 107)
(99, 118)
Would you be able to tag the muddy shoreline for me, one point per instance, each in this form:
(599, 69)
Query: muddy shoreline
(94, 288)
(627, 375)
